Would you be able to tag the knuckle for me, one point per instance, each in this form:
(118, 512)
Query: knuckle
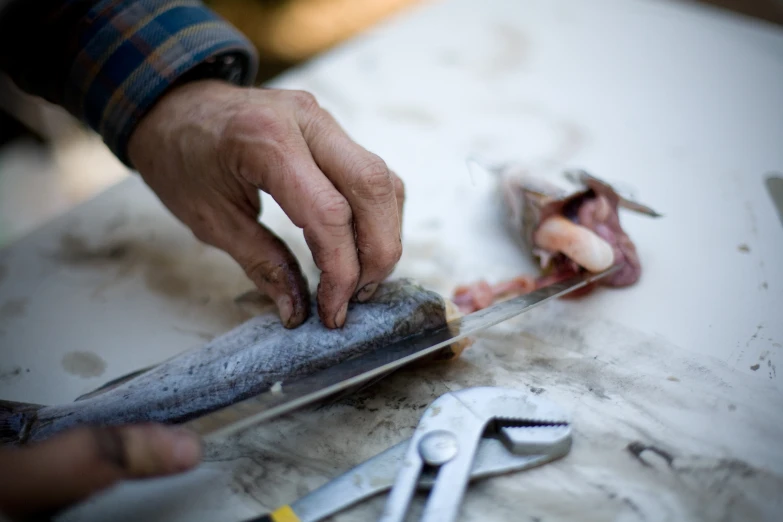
(332, 209)
(391, 254)
(384, 256)
(256, 136)
(347, 277)
(251, 122)
(304, 101)
(375, 180)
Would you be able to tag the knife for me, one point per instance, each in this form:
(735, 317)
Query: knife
(374, 365)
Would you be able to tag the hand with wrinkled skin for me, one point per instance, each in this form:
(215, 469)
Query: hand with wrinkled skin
(47, 477)
(206, 149)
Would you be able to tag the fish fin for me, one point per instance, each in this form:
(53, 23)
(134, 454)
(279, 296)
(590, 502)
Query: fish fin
(114, 383)
(578, 176)
(15, 421)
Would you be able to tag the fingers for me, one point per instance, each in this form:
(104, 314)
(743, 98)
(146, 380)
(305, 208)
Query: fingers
(345, 199)
(370, 189)
(232, 226)
(271, 265)
(276, 159)
(70, 467)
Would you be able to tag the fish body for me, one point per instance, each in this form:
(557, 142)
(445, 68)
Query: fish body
(245, 361)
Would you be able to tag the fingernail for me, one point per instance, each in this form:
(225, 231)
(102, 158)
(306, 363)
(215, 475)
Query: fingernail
(339, 319)
(187, 449)
(285, 308)
(366, 292)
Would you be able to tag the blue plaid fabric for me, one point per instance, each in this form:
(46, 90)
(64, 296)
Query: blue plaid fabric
(109, 61)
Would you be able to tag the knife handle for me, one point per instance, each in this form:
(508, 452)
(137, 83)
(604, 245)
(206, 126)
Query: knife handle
(281, 514)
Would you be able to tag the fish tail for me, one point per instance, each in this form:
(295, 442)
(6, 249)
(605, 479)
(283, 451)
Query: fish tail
(16, 419)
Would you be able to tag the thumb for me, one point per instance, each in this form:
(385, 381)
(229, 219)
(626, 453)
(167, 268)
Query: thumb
(51, 475)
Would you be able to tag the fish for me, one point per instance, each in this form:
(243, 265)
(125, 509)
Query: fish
(252, 358)
(565, 232)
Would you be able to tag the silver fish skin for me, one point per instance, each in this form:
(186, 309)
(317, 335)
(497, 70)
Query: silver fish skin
(243, 362)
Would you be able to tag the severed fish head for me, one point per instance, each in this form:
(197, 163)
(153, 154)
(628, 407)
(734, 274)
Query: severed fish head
(566, 232)
(570, 231)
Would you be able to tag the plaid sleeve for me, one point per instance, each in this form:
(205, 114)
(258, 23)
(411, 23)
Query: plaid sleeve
(111, 60)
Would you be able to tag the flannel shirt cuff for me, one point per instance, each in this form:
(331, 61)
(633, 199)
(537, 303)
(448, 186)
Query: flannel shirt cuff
(132, 51)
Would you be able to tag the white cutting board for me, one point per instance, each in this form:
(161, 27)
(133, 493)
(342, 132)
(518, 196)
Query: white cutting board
(680, 105)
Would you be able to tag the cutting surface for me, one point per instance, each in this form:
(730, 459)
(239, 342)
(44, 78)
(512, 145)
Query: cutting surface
(679, 105)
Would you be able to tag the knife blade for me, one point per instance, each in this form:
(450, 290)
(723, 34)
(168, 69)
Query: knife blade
(373, 365)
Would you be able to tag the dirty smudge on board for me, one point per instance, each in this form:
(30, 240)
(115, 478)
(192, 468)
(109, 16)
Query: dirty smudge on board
(7, 375)
(638, 449)
(751, 225)
(116, 222)
(752, 221)
(190, 278)
(75, 251)
(3, 273)
(83, 364)
(751, 340)
(764, 357)
(13, 308)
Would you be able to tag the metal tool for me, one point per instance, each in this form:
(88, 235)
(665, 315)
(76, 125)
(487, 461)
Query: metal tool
(376, 475)
(775, 189)
(364, 368)
(447, 439)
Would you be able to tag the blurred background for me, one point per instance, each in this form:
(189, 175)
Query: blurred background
(49, 162)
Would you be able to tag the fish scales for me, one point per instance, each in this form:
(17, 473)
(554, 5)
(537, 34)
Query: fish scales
(243, 362)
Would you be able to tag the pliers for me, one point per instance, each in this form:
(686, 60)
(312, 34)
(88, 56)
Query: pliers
(448, 436)
(531, 432)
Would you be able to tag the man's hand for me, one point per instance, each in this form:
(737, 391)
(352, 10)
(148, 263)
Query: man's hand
(207, 147)
(49, 476)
